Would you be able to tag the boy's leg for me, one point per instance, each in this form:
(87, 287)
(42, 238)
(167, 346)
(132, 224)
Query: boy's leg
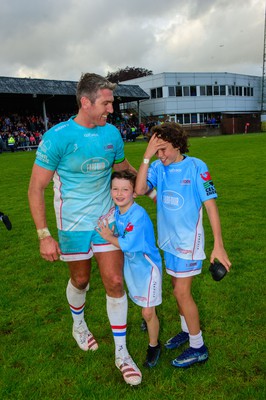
(153, 326)
(197, 352)
(186, 304)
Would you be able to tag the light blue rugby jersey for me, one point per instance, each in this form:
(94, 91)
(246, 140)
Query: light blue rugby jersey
(136, 237)
(181, 189)
(82, 159)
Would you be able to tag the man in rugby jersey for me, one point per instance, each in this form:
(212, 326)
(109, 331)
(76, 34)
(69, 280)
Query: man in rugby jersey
(79, 155)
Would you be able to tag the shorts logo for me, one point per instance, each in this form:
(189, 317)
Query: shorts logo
(94, 166)
(172, 200)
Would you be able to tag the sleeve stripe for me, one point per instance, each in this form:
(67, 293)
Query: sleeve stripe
(119, 160)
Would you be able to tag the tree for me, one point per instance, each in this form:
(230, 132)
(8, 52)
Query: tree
(124, 74)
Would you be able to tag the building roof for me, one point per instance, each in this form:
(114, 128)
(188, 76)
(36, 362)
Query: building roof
(8, 85)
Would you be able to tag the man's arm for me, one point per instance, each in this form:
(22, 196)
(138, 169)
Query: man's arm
(124, 165)
(40, 179)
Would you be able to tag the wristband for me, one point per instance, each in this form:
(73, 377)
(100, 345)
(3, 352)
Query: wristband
(146, 160)
(152, 194)
(43, 233)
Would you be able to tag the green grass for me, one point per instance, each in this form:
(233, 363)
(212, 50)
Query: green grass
(40, 360)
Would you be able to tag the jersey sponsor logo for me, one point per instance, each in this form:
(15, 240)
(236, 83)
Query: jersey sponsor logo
(94, 166)
(183, 251)
(129, 228)
(140, 298)
(110, 216)
(44, 146)
(185, 182)
(61, 127)
(172, 200)
(173, 170)
(109, 147)
(42, 157)
(90, 134)
(206, 176)
(209, 188)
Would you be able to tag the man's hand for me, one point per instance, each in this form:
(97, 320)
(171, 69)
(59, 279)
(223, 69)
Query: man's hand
(49, 249)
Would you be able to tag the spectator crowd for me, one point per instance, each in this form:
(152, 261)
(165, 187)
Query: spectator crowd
(24, 132)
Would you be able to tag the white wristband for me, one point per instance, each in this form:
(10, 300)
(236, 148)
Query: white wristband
(43, 233)
(146, 160)
(152, 194)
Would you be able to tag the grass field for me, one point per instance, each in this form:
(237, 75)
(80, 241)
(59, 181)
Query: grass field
(39, 358)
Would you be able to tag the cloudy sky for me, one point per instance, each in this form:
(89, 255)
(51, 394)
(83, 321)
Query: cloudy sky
(60, 39)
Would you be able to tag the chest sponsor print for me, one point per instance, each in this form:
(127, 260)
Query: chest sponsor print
(172, 200)
(95, 166)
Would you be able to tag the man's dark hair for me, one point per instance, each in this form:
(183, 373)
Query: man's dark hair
(88, 86)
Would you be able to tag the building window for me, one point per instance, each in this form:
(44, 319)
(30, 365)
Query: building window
(194, 118)
(216, 90)
(193, 91)
(231, 90)
(156, 93)
(159, 92)
(203, 90)
(178, 91)
(222, 90)
(186, 91)
(179, 118)
(209, 91)
(171, 91)
(153, 93)
(187, 118)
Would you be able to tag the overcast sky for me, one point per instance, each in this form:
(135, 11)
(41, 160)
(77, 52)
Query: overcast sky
(60, 39)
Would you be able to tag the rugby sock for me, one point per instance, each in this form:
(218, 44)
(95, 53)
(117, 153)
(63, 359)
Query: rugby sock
(117, 314)
(196, 341)
(76, 300)
(183, 324)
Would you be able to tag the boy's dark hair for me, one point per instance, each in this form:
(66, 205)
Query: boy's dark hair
(125, 174)
(173, 133)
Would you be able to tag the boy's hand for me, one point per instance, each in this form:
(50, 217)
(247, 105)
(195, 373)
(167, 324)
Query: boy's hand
(104, 231)
(220, 254)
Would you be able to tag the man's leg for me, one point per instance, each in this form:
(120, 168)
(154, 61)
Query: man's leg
(111, 269)
(77, 288)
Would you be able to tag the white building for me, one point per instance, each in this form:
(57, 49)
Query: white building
(232, 101)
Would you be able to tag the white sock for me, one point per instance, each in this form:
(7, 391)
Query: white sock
(196, 341)
(117, 314)
(183, 324)
(76, 300)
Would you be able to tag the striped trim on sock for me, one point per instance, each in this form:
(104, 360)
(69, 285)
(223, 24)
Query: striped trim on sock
(77, 310)
(119, 330)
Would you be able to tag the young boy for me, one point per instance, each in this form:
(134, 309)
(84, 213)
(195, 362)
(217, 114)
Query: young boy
(142, 261)
(183, 183)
